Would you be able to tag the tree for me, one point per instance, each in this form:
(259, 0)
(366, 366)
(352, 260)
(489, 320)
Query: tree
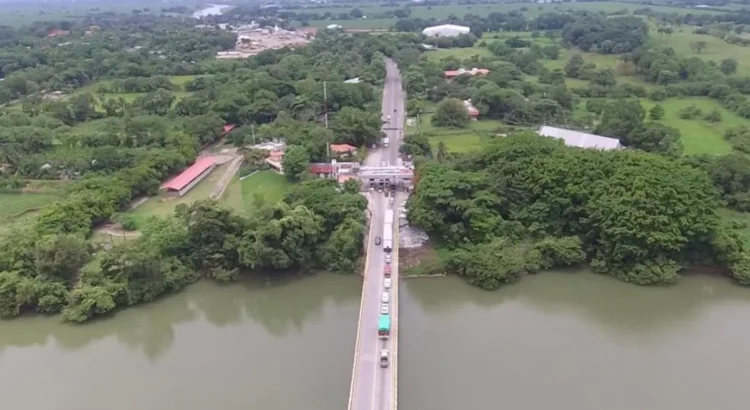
(656, 138)
(728, 66)
(713, 116)
(656, 112)
(356, 127)
(451, 112)
(356, 13)
(698, 46)
(620, 118)
(295, 163)
(574, 66)
(287, 240)
(61, 256)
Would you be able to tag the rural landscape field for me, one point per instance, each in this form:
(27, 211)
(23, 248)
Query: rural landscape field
(120, 117)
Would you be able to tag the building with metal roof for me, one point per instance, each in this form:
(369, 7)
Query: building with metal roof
(580, 139)
(189, 178)
(446, 30)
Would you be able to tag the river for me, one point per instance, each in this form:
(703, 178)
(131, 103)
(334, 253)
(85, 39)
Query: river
(563, 340)
(211, 10)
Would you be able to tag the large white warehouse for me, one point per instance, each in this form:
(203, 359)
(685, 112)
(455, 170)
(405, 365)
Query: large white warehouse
(445, 30)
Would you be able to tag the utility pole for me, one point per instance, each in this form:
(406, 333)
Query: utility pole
(325, 118)
(252, 130)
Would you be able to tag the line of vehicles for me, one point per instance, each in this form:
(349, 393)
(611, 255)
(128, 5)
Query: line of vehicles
(384, 322)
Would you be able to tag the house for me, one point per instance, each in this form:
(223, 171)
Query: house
(275, 159)
(333, 27)
(446, 30)
(55, 32)
(322, 170)
(343, 150)
(473, 111)
(580, 139)
(451, 74)
(356, 80)
(189, 178)
(227, 129)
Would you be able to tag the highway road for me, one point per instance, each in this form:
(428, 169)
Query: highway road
(372, 385)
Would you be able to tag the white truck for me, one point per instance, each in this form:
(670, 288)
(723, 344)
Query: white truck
(387, 237)
(385, 141)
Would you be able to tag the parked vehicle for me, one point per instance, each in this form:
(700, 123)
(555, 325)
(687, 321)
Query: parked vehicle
(388, 258)
(387, 271)
(385, 297)
(384, 310)
(384, 326)
(387, 283)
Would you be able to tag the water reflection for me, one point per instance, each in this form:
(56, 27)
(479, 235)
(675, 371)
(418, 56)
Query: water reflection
(610, 303)
(280, 307)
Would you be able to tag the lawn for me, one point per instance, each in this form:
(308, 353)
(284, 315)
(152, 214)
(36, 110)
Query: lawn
(163, 204)
(14, 204)
(716, 48)
(698, 136)
(459, 139)
(461, 53)
(267, 185)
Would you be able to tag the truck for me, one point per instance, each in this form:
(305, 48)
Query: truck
(389, 216)
(385, 141)
(387, 237)
(384, 326)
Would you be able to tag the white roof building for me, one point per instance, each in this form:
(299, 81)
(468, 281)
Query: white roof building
(446, 30)
(580, 139)
(355, 80)
(333, 27)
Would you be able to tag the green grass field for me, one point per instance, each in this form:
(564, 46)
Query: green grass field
(459, 139)
(716, 49)
(268, 185)
(698, 136)
(13, 204)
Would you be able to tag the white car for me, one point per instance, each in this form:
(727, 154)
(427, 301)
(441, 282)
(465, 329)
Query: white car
(387, 258)
(385, 297)
(391, 200)
(384, 309)
(387, 283)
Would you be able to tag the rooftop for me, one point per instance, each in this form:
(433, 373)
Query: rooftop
(449, 27)
(461, 71)
(342, 148)
(580, 139)
(187, 176)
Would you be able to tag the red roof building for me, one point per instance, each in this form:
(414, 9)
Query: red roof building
(473, 111)
(321, 169)
(55, 32)
(228, 128)
(182, 183)
(474, 71)
(343, 148)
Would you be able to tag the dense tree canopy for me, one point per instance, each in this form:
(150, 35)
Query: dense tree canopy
(639, 217)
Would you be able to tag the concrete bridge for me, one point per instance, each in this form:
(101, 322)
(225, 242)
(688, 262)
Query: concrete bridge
(374, 384)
